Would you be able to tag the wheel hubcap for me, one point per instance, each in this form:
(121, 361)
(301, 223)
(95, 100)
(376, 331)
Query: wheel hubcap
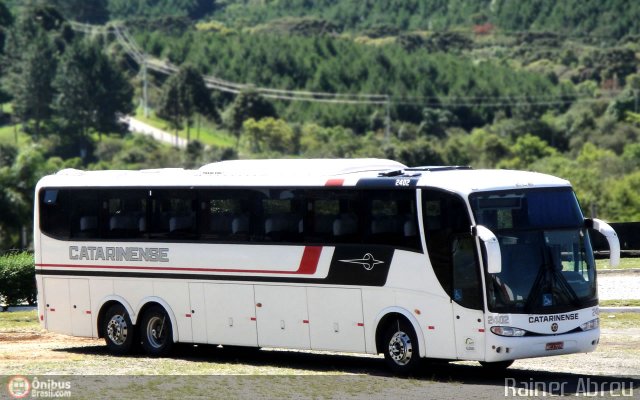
(400, 348)
(117, 329)
(156, 332)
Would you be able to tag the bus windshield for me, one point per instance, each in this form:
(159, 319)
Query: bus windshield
(547, 260)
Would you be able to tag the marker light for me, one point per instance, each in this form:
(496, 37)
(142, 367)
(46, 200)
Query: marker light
(593, 324)
(507, 331)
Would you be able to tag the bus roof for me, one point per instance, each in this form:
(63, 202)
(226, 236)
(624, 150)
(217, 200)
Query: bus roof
(365, 172)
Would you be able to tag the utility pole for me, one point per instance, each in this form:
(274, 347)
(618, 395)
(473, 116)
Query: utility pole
(387, 119)
(145, 85)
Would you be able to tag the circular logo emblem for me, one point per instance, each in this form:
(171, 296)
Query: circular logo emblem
(554, 327)
(18, 387)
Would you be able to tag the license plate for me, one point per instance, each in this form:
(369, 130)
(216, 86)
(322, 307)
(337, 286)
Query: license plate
(554, 346)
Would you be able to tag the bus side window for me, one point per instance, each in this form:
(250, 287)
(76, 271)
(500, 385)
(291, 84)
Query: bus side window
(225, 215)
(84, 214)
(126, 213)
(173, 215)
(283, 216)
(55, 207)
(393, 219)
(451, 249)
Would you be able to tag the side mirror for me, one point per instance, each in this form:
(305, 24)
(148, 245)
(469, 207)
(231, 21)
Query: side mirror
(612, 238)
(491, 244)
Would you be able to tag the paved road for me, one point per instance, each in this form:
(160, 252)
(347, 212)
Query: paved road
(137, 126)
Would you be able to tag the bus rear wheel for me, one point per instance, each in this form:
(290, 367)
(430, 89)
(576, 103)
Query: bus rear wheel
(118, 330)
(156, 334)
(400, 347)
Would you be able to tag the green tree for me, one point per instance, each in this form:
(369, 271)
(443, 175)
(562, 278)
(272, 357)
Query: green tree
(183, 95)
(88, 11)
(30, 82)
(92, 92)
(248, 104)
(271, 135)
(526, 150)
(623, 199)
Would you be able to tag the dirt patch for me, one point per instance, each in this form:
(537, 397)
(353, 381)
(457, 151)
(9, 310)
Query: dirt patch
(36, 351)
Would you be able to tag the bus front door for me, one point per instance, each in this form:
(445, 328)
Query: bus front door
(467, 301)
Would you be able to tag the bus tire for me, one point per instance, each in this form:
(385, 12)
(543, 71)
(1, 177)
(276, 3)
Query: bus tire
(400, 346)
(118, 330)
(156, 333)
(496, 365)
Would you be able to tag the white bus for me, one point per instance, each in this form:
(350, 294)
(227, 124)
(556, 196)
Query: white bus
(359, 255)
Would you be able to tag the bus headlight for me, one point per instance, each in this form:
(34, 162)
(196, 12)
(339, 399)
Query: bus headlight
(593, 324)
(507, 331)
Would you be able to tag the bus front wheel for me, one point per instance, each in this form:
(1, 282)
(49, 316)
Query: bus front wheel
(156, 334)
(118, 330)
(401, 347)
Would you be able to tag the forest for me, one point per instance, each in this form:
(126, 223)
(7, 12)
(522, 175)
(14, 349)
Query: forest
(546, 86)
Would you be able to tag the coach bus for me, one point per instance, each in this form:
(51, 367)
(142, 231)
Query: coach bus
(348, 255)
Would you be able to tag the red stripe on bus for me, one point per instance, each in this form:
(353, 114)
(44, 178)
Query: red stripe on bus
(308, 266)
(334, 182)
(310, 259)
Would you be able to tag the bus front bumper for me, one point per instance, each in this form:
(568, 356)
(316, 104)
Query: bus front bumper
(500, 348)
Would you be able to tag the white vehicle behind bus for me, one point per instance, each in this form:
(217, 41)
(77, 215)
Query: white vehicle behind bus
(360, 255)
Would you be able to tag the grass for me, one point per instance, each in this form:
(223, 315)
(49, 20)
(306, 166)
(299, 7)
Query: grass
(8, 135)
(19, 320)
(209, 134)
(625, 263)
(620, 321)
(620, 303)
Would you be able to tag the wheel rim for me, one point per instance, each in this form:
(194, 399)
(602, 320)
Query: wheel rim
(117, 329)
(400, 348)
(156, 332)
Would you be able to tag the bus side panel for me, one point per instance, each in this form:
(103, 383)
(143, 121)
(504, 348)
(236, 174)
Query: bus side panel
(198, 312)
(374, 301)
(57, 313)
(230, 314)
(282, 316)
(80, 302)
(99, 289)
(67, 306)
(434, 314)
(176, 294)
(134, 291)
(335, 319)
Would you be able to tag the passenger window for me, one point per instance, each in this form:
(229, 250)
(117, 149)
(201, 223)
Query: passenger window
(55, 210)
(393, 219)
(85, 214)
(226, 215)
(173, 214)
(126, 215)
(283, 216)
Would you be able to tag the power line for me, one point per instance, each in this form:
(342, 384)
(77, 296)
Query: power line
(213, 82)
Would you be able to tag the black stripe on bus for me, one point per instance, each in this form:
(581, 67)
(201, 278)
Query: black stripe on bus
(349, 266)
